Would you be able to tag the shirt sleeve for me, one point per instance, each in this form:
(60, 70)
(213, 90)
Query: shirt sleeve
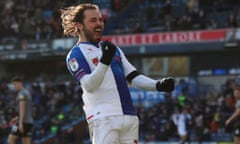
(144, 82)
(237, 104)
(21, 97)
(140, 81)
(77, 64)
(80, 70)
(127, 66)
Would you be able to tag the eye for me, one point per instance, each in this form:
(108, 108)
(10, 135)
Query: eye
(93, 20)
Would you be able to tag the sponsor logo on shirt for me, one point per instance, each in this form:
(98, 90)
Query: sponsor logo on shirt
(89, 49)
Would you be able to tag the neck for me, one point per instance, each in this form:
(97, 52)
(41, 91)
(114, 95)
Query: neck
(83, 40)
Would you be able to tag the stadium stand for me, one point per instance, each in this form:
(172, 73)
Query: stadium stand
(58, 105)
(58, 108)
(40, 20)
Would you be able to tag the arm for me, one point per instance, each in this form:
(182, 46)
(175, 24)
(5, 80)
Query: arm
(233, 116)
(13, 120)
(174, 118)
(22, 104)
(134, 77)
(92, 81)
(79, 68)
(143, 82)
(146, 83)
(22, 111)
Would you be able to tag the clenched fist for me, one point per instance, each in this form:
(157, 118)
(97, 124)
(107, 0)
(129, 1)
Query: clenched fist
(108, 51)
(166, 84)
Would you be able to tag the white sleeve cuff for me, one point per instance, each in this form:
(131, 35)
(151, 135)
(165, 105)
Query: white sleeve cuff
(144, 82)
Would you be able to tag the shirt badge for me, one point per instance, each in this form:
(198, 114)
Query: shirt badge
(74, 64)
(95, 60)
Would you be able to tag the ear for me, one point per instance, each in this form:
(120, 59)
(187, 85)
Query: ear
(79, 26)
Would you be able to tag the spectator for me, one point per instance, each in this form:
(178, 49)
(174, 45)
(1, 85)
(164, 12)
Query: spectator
(116, 6)
(183, 122)
(232, 22)
(138, 28)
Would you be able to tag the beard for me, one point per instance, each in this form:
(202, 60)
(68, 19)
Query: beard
(90, 36)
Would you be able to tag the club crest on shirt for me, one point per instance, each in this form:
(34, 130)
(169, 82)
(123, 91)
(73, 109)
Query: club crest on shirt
(74, 64)
(95, 61)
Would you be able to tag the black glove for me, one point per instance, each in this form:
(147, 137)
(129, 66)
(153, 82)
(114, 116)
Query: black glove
(108, 51)
(166, 84)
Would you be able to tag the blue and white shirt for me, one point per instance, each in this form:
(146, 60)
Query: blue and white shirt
(113, 96)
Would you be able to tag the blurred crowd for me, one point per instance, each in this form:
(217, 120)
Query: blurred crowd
(37, 20)
(178, 15)
(57, 105)
(30, 19)
(208, 115)
(193, 14)
(40, 20)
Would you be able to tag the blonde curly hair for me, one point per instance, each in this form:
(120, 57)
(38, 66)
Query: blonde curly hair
(70, 16)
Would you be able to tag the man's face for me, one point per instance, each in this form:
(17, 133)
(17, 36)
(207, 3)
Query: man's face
(16, 85)
(237, 93)
(92, 25)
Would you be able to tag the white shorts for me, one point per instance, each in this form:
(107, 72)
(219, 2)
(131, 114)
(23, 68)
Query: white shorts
(182, 131)
(121, 129)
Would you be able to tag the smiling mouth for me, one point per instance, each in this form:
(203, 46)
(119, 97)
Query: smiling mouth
(98, 30)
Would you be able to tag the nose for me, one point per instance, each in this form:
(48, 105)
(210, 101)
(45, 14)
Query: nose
(100, 22)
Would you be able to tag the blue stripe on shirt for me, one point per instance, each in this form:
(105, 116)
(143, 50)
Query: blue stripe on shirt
(125, 97)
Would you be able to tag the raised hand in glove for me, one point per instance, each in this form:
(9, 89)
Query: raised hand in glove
(108, 51)
(166, 84)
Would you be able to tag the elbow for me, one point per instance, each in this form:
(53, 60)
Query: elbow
(88, 84)
(89, 88)
(238, 112)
